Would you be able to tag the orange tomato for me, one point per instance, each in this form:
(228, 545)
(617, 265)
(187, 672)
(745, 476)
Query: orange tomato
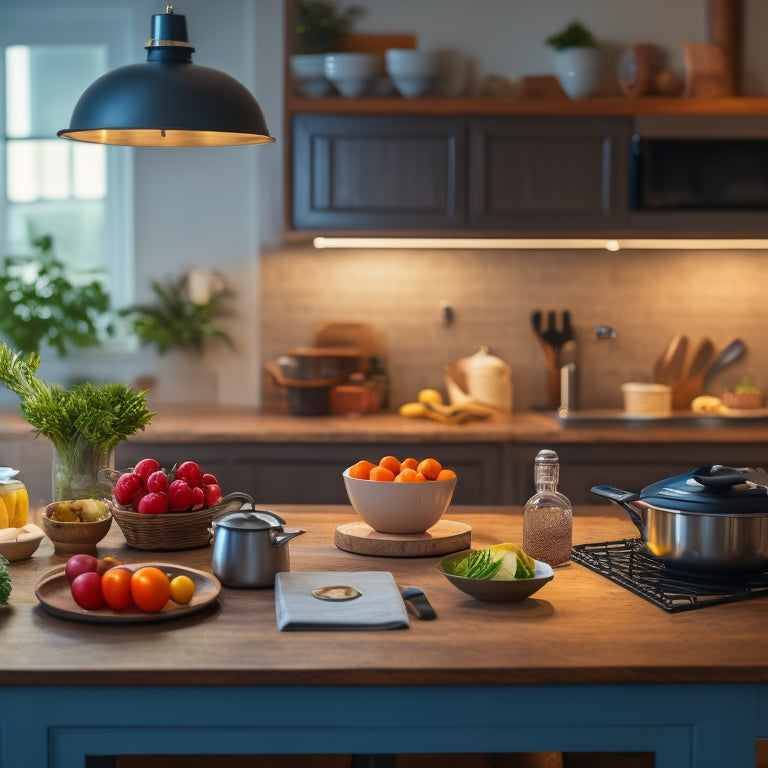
(391, 463)
(361, 470)
(445, 474)
(410, 476)
(430, 468)
(150, 588)
(382, 474)
(409, 463)
(116, 588)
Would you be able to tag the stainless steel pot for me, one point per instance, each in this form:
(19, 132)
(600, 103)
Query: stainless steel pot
(250, 547)
(714, 518)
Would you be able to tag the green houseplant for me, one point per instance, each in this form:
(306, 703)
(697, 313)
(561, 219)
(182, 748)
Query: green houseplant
(577, 60)
(179, 320)
(319, 25)
(41, 305)
(84, 422)
(575, 35)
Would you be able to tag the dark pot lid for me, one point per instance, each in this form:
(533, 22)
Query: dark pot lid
(711, 489)
(251, 520)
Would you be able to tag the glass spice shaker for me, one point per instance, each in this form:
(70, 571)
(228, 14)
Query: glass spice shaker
(548, 515)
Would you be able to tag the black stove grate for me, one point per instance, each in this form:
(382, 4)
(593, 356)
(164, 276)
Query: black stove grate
(672, 588)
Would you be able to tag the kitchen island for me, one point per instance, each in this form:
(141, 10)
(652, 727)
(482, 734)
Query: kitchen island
(265, 453)
(582, 666)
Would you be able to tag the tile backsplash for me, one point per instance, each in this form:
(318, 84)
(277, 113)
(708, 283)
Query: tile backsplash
(646, 296)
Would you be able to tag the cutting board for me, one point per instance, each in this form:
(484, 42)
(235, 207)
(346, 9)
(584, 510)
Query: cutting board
(443, 538)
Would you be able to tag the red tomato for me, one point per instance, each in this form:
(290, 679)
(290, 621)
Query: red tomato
(150, 588)
(116, 588)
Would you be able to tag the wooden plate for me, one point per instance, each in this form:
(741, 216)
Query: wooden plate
(444, 537)
(54, 594)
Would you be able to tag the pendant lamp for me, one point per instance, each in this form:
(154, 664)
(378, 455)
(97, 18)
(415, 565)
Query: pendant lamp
(168, 101)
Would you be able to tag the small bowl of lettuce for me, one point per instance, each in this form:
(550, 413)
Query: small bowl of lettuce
(502, 573)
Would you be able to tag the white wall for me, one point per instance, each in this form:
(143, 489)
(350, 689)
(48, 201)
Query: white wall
(215, 207)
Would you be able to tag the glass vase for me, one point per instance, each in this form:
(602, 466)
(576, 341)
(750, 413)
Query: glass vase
(76, 473)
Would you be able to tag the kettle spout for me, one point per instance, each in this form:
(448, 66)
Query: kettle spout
(623, 499)
(282, 537)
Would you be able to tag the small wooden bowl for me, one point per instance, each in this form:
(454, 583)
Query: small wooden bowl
(17, 549)
(74, 538)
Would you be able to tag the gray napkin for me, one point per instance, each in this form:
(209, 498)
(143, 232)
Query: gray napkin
(379, 607)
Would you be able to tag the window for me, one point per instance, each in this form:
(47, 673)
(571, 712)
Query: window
(78, 193)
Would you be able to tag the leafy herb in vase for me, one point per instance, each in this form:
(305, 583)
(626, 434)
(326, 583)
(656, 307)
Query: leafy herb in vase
(84, 422)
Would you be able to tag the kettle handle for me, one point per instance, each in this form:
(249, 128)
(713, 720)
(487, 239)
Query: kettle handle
(227, 501)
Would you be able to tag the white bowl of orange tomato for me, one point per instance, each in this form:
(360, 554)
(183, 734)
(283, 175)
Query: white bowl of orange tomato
(400, 496)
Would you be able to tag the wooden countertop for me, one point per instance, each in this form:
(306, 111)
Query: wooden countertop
(579, 628)
(243, 425)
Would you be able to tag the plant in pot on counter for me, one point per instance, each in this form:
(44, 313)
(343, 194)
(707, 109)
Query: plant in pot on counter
(84, 422)
(181, 316)
(41, 305)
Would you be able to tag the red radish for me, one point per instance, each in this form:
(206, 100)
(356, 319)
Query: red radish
(157, 482)
(209, 479)
(153, 504)
(86, 590)
(137, 500)
(198, 497)
(180, 496)
(127, 488)
(212, 494)
(145, 468)
(78, 564)
(191, 472)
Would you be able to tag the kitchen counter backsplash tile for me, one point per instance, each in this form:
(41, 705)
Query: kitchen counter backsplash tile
(647, 296)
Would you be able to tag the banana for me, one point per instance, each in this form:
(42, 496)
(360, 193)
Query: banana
(413, 410)
(444, 414)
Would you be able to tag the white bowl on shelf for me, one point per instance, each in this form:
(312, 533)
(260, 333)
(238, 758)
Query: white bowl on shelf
(413, 72)
(353, 74)
(308, 73)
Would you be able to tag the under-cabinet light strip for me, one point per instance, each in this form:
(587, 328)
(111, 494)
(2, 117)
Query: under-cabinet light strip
(539, 243)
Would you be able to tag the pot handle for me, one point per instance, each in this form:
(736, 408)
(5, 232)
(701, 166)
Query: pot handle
(718, 476)
(624, 499)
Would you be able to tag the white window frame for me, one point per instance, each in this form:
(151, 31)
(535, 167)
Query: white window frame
(116, 28)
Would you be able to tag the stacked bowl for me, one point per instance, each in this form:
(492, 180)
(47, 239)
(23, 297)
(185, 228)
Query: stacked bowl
(413, 72)
(353, 74)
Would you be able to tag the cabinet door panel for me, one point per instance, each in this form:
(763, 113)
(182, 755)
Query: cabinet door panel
(541, 173)
(378, 172)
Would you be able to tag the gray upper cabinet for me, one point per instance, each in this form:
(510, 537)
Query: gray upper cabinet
(378, 172)
(449, 173)
(537, 173)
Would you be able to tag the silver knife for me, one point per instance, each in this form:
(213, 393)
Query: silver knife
(416, 602)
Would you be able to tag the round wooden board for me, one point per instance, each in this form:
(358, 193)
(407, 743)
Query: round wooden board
(443, 538)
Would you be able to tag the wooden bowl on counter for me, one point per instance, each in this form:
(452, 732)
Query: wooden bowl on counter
(74, 538)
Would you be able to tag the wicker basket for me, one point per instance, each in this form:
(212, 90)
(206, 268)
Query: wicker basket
(172, 530)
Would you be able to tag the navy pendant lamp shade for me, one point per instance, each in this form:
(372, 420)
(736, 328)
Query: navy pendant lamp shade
(168, 101)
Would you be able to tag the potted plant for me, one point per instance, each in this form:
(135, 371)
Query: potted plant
(183, 315)
(40, 304)
(319, 25)
(84, 422)
(577, 60)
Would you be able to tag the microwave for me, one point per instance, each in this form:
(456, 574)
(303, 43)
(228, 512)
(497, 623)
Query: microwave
(695, 169)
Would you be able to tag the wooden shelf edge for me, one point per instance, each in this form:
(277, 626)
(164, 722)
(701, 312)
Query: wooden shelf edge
(468, 106)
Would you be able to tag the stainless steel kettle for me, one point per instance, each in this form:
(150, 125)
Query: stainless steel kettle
(249, 547)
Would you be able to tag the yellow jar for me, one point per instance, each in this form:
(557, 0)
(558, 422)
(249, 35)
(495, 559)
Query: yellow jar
(14, 502)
